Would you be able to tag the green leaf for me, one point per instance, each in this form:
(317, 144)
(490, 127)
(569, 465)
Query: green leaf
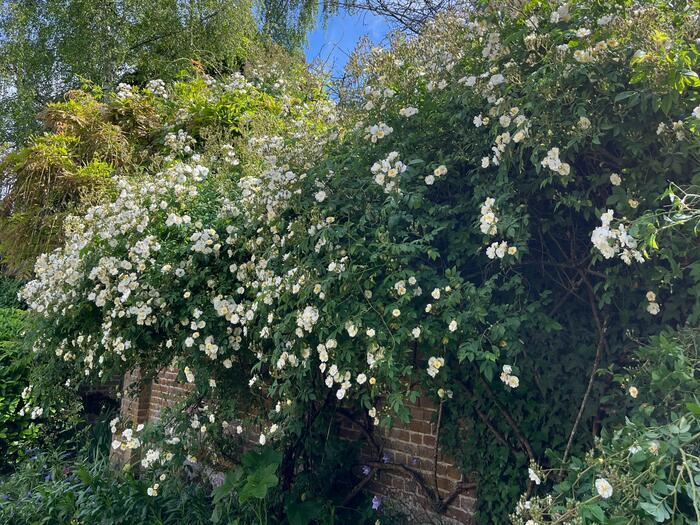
(304, 512)
(593, 511)
(624, 95)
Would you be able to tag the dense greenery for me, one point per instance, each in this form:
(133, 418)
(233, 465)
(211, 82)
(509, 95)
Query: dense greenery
(9, 288)
(16, 429)
(92, 136)
(43, 51)
(499, 215)
(68, 487)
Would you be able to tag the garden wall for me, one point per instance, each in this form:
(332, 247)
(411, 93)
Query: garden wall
(407, 453)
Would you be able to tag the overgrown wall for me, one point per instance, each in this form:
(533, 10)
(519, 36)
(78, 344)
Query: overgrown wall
(412, 445)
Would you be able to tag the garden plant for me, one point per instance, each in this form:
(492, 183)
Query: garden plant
(499, 215)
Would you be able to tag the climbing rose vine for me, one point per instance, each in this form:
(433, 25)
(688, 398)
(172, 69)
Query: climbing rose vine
(470, 218)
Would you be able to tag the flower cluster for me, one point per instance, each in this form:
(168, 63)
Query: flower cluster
(554, 163)
(378, 131)
(386, 172)
(508, 378)
(434, 365)
(488, 218)
(613, 241)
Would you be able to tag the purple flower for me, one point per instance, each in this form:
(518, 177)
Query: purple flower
(366, 470)
(385, 458)
(376, 502)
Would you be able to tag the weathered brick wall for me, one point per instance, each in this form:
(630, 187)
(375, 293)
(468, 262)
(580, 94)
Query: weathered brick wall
(412, 445)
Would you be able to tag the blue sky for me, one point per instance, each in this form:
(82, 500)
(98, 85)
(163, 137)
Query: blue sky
(333, 43)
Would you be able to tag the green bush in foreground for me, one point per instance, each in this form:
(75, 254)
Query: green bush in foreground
(57, 488)
(16, 428)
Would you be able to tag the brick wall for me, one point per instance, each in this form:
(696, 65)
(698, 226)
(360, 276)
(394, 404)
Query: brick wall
(412, 446)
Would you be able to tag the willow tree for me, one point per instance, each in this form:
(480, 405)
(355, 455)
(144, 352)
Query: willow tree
(48, 47)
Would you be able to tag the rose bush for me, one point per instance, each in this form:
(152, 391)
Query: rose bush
(473, 221)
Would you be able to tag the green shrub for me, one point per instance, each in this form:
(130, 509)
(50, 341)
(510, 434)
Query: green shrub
(16, 429)
(651, 462)
(91, 135)
(55, 487)
(474, 223)
(9, 287)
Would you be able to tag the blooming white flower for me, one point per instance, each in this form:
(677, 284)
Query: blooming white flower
(396, 312)
(416, 332)
(320, 196)
(361, 379)
(696, 113)
(519, 136)
(653, 308)
(604, 488)
(497, 250)
(488, 219)
(615, 179)
(583, 56)
(554, 163)
(262, 439)
(430, 180)
(377, 132)
(351, 329)
(452, 326)
(508, 378)
(408, 112)
(560, 15)
(496, 80)
(469, 81)
(434, 365)
(388, 168)
(633, 392)
(612, 241)
(189, 375)
(533, 476)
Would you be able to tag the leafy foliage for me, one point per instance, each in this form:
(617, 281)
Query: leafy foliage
(57, 487)
(476, 222)
(43, 53)
(9, 288)
(653, 459)
(16, 429)
(91, 137)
